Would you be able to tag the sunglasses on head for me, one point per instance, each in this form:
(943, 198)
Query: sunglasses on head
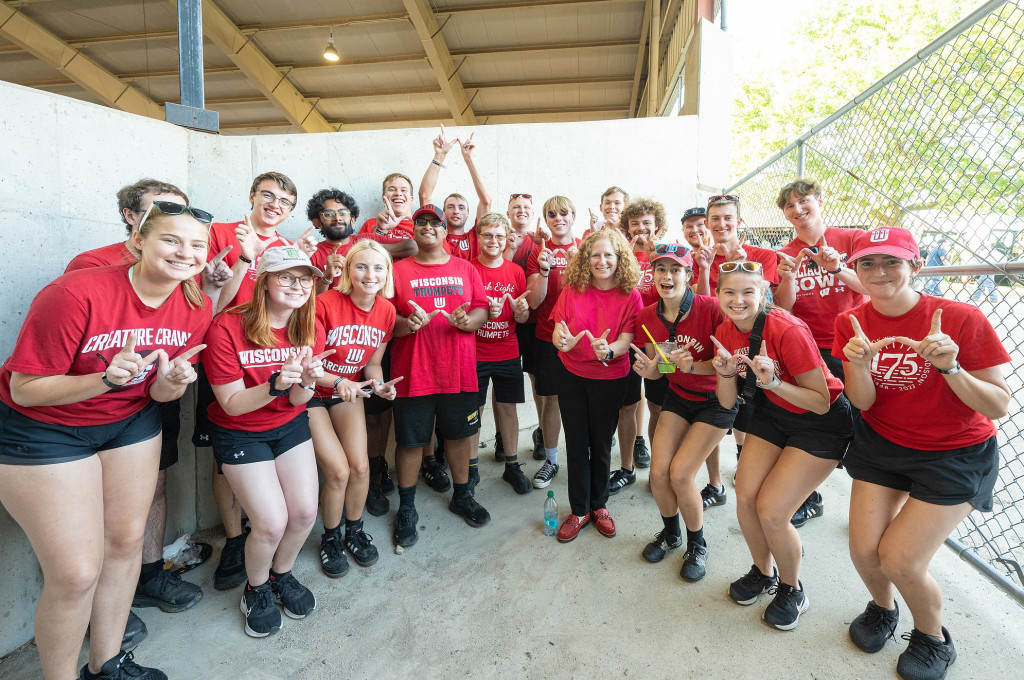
(723, 198)
(670, 249)
(528, 197)
(747, 266)
(564, 212)
(172, 208)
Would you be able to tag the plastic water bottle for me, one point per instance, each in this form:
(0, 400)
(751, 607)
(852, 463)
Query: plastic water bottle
(550, 514)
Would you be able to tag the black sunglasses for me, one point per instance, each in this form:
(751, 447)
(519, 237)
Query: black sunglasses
(172, 208)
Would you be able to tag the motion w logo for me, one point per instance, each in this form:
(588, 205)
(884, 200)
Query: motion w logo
(439, 303)
(355, 356)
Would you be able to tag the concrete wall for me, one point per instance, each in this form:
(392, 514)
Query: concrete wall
(63, 161)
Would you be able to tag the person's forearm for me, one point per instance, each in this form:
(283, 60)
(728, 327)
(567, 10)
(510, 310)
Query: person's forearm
(55, 390)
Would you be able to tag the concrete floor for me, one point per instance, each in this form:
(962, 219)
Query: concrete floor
(506, 601)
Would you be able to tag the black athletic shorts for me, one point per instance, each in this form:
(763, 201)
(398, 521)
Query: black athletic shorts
(457, 416)
(548, 368)
(949, 477)
(204, 397)
(237, 447)
(633, 384)
(374, 405)
(526, 333)
(508, 381)
(170, 421)
(27, 441)
(823, 436)
(317, 402)
(744, 415)
(656, 390)
(709, 411)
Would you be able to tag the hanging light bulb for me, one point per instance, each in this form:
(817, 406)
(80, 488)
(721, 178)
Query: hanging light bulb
(330, 52)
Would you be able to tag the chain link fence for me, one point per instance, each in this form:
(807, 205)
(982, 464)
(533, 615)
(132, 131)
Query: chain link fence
(937, 146)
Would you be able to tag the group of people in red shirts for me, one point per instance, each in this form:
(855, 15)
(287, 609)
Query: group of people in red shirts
(306, 346)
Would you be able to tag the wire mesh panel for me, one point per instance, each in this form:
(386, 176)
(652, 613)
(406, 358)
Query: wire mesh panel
(937, 147)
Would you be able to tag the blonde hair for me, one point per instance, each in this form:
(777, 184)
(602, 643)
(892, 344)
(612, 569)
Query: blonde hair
(493, 219)
(627, 270)
(763, 304)
(189, 288)
(345, 284)
(558, 203)
(256, 318)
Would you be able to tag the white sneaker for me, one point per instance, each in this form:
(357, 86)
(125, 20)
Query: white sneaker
(544, 476)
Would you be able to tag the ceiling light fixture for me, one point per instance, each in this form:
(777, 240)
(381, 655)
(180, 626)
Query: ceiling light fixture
(330, 52)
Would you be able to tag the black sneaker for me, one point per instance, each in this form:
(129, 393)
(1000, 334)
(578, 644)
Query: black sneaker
(435, 475)
(656, 550)
(360, 544)
(297, 599)
(332, 555)
(474, 478)
(230, 571)
(499, 449)
(813, 507)
(405, 527)
(695, 562)
(874, 627)
(261, 616)
(513, 474)
(377, 504)
(470, 510)
(135, 631)
(619, 480)
(167, 591)
(539, 452)
(545, 474)
(712, 496)
(746, 590)
(124, 668)
(784, 611)
(379, 477)
(925, 657)
(641, 454)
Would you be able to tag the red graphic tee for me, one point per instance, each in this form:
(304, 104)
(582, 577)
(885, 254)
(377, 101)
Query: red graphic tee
(545, 326)
(496, 340)
(464, 245)
(115, 253)
(222, 235)
(768, 259)
(355, 334)
(648, 291)
(704, 317)
(401, 231)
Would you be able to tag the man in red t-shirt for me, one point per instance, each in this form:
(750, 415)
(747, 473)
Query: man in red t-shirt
(435, 353)
(393, 223)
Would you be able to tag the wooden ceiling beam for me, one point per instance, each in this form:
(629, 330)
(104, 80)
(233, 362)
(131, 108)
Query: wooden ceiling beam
(425, 23)
(46, 46)
(525, 5)
(645, 26)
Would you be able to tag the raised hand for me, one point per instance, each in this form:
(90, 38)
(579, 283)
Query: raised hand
(762, 364)
(545, 260)
(682, 357)
(249, 243)
(563, 340)
(512, 242)
(418, 319)
(178, 370)
(312, 366)
(642, 365)
(458, 318)
(494, 306)
(291, 371)
(307, 242)
(725, 362)
(127, 364)
(789, 266)
(600, 344)
(441, 144)
(335, 264)
(828, 257)
(387, 220)
(936, 347)
(519, 305)
(386, 390)
(639, 238)
(468, 147)
(859, 350)
(541, 234)
(218, 273)
(593, 219)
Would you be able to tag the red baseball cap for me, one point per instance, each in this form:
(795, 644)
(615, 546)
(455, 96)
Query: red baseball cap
(895, 241)
(676, 252)
(432, 211)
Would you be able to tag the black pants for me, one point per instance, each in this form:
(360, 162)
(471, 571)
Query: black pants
(590, 414)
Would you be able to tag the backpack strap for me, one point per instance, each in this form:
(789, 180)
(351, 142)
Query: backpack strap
(750, 384)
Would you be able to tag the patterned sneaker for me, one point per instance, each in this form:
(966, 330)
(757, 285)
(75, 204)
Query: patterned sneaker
(712, 496)
(296, 598)
(694, 563)
(167, 591)
(261, 616)
(538, 445)
(619, 480)
(471, 511)
(435, 475)
(377, 504)
(784, 611)
(404, 533)
(332, 555)
(641, 454)
(123, 667)
(926, 658)
(659, 547)
(513, 474)
(545, 474)
(360, 544)
(746, 590)
(499, 449)
(874, 627)
(813, 507)
(231, 568)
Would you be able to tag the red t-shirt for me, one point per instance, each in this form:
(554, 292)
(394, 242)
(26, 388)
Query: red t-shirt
(438, 358)
(325, 248)
(230, 356)
(496, 340)
(115, 253)
(545, 326)
(790, 345)
(648, 291)
(597, 311)
(222, 235)
(698, 325)
(768, 259)
(464, 245)
(402, 230)
(914, 406)
(355, 334)
(90, 313)
(522, 253)
(821, 297)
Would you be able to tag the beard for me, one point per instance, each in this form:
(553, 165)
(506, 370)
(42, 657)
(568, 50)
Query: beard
(337, 231)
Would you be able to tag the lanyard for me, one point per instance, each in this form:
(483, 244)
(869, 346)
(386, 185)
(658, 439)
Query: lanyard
(684, 308)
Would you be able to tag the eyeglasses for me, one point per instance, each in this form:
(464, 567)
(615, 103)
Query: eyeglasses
(724, 198)
(424, 221)
(564, 212)
(172, 208)
(747, 266)
(528, 197)
(670, 249)
(269, 198)
(288, 280)
(493, 237)
(331, 214)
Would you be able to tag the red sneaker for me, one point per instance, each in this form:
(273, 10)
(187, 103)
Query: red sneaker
(604, 522)
(570, 528)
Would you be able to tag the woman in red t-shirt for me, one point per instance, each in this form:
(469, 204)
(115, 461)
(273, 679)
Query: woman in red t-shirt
(262, 366)
(80, 434)
(924, 454)
(594, 319)
(798, 433)
(357, 321)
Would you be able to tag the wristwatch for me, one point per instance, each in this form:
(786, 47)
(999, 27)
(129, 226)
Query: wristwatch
(274, 392)
(771, 385)
(836, 271)
(952, 371)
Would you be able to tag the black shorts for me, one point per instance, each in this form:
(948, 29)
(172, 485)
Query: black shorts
(317, 402)
(374, 405)
(710, 411)
(743, 416)
(204, 397)
(823, 436)
(27, 441)
(237, 447)
(457, 416)
(633, 385)
(949, 477)
(526, 333)
(170, 421)
(508, 381)
(656, 390)
(835, 366)
(548, 367)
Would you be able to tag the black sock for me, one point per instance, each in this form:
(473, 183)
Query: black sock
(460, 491)
(235, 540)
(150, 570)
(696, 536)
(640, 439)
(630, 470)
(473, 462)
(511, 460)
(274, 576)
(353, 525)
(671, 524)
(407, 497)
(249, 586)
(335, 532)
